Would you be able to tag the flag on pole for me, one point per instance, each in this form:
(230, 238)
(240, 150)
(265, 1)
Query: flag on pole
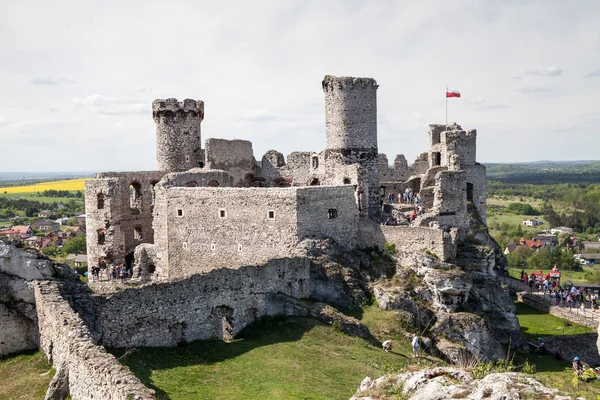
(452, 93)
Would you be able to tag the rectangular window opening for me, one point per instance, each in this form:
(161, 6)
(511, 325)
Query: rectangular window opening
(137, 233)
(332, 213)
(213, 246)
(222, 213)
(180, 212)
(271, 214)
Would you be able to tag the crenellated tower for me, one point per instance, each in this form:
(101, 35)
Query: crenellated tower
(178, 139)
(351, 134)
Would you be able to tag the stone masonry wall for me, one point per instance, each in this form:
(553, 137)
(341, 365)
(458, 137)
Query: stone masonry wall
(122, 212)
(83, 369)
(214, 305)
(206, 228)
(178, 137)
(233, 156)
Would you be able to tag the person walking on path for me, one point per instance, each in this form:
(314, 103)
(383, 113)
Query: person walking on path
(415, 345)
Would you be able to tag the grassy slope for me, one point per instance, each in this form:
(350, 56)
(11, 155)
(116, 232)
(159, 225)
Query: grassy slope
(24, 376)
(551, 372)
(296, 359)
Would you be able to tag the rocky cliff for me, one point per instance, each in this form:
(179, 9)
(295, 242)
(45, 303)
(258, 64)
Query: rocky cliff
(18, 318)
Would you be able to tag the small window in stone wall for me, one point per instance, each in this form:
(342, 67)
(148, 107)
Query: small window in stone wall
(184, 244)
(100, 201)
(240, 247)
(315, 162)
(187, 158)
(137, 233)
(271, 214)
(180, 212)
(135, 195)
(347, 181)
(213, 246)
(101, 236)
(332, 213)
(222, 213)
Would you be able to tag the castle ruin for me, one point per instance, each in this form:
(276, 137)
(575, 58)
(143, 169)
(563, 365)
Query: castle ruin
(220, 207)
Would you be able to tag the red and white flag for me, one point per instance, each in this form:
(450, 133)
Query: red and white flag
(452, 93)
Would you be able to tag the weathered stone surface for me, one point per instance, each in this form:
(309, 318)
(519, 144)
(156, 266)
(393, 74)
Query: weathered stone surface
(452, 383)
(449, 288)
(18, 319)
(472, 332)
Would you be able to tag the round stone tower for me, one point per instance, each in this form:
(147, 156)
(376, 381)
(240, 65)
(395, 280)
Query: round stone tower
(351, 133)
(178, 139)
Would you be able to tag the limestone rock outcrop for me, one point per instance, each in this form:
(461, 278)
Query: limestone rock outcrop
(18, 318)
(452, 383)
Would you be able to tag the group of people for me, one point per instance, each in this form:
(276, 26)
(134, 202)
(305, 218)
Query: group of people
(111, 272)
(408, 197)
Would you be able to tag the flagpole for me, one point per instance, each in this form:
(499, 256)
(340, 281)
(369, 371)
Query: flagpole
(446, 95)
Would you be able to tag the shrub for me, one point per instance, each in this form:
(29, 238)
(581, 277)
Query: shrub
(390, 248)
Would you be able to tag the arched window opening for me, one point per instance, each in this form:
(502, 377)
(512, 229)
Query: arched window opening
(314, 182)
(135, 195)
(347, 181)
(101, 236)
(100, 201)
(191, 184)
(213, 183)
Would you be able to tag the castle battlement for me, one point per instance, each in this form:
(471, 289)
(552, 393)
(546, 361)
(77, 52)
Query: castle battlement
(172, 105)
(331, 82)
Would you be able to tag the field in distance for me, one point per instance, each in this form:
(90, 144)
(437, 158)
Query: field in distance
(68, 184)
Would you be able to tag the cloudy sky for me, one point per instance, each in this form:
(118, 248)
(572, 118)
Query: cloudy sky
(77, 78)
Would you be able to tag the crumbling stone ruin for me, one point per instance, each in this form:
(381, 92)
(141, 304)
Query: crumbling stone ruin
(218, 239)
(220, 207)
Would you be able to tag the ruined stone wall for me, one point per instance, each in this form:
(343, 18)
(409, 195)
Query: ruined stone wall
(200, 229)
(328, 212)
(215, 305)
(300, 169)
(476, 176)
(351, 133)
(178, 138)
(397, 173)
(120, 205)
(84, 370)
(450, 198)
(420, 165)
(408, 239)
(233, 156)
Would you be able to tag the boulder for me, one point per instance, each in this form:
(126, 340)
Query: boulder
(452, 383)
(449, 288)
(472, 332)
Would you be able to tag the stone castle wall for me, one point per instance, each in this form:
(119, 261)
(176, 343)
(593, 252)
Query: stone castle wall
(119, 205)
(199, 229)
(84, 370)
(215, 305)
(233, 156)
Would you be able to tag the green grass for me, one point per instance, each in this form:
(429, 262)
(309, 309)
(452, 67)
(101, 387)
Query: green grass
(295, 358)
(536, 323)
(551, 372)
(34, 197)
(24, 376)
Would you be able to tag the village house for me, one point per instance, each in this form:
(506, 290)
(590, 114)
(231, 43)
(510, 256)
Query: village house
(45, 213)
(80, 219)
(560, 229)
(44, 225)
(591, 246)
(533, 222)
(18, 232)
(547, 240)
(533, 244)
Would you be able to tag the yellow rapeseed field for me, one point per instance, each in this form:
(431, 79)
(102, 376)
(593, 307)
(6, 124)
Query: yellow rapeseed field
(69, 184)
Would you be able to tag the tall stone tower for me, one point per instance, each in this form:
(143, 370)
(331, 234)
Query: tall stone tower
(351, 133)
(178, 140)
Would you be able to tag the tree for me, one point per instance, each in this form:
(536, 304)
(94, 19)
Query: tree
(564, 240)
(540, 259)
(75, 245)
(519, 257)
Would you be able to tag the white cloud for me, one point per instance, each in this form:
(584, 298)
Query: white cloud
(3, 122)
(548, 71)
(258, 67)
(51, 81)
(111, 105)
